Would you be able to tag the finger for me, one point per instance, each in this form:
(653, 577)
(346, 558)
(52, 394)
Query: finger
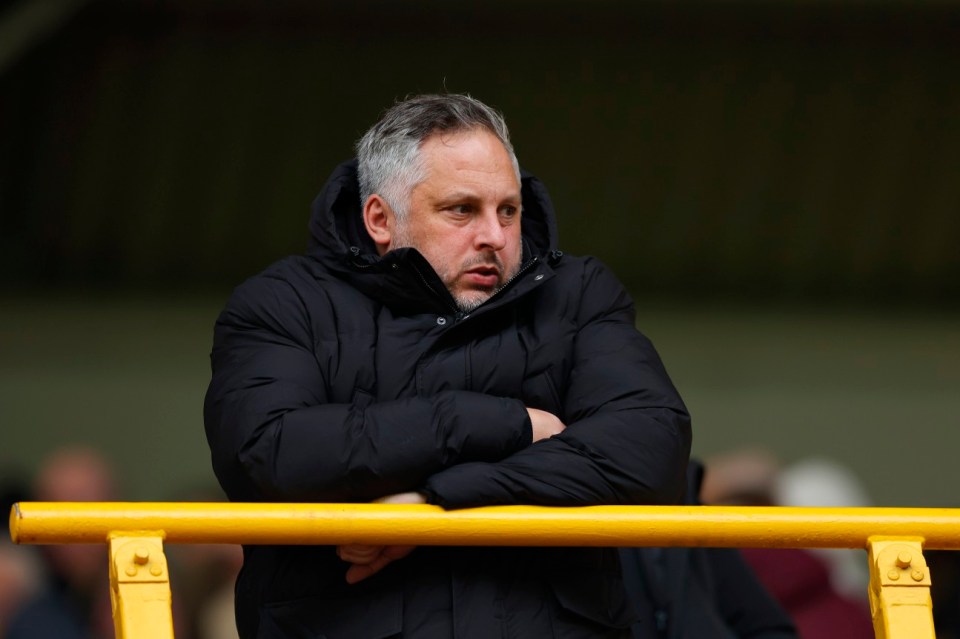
(397, 552)
(359, 553)
(359, 572)
(402, 498)
(359, 558)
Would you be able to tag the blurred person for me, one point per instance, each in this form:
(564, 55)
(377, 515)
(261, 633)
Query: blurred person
(944, 566)
(800, 580)
(818, 481)
(19, 580)
(217, 618)
(741, 477)
(204, 575)
(690, 593)
(74, 600)
(19, 568)
(435, 346)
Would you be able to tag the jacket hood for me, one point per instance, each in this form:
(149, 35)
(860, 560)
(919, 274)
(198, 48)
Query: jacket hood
(338, 236)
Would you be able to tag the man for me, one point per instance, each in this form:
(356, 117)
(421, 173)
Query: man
(434, 345)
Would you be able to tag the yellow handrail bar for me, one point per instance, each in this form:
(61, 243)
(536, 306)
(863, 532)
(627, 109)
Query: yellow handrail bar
(140, 589)
(257, 523)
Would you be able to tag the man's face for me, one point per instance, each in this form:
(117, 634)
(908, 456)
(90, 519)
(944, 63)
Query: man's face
(465, 216)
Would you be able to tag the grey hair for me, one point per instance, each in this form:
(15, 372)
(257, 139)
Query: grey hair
(389, 162)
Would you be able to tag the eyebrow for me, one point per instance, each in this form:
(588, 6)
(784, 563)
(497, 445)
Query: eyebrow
(457, 196)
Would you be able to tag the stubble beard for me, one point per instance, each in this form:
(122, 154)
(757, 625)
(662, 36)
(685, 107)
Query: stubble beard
(466, 301)
(469, 300)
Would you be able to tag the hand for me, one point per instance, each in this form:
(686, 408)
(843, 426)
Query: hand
(367, 559)
(544, 424)
(402, 498)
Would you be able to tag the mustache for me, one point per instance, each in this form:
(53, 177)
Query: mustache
(490, 261)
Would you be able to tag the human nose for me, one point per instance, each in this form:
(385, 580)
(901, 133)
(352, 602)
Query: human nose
(490, 233)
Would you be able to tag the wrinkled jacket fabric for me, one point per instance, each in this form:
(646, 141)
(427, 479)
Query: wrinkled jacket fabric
(344, 376)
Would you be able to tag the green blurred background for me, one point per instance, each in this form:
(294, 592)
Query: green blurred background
(775, 182)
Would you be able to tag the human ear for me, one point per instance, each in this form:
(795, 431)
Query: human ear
(379, 219)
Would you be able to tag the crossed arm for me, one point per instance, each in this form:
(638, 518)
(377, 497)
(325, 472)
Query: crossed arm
(366, 559)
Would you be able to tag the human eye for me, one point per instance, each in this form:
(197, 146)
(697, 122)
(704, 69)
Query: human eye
(509, 211)
(459, 209)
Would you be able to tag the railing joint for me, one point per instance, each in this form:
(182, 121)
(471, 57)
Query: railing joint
(900, 601)
(140, 587)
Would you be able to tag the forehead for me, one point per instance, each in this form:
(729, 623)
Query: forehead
(470, 158)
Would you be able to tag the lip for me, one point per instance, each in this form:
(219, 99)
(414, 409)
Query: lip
(483, 276)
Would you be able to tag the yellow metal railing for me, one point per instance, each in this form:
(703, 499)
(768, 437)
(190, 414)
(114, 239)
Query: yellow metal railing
(140, 587)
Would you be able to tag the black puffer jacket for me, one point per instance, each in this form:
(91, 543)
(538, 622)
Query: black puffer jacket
(341, 376)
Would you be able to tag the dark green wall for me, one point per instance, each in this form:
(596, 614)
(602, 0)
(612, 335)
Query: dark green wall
(778, 151)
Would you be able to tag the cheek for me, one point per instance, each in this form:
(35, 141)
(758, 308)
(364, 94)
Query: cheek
(443, 260)
(451, 247)
(516, 249)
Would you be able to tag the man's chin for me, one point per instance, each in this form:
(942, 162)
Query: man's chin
(470, 300)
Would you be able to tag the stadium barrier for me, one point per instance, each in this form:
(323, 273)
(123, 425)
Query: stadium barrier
(135, 533)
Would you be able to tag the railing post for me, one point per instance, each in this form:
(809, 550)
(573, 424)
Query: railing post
(140, 587)
(900, 589)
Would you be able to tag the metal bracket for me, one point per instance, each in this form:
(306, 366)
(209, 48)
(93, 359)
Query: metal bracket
(140, 588)
(900, 589)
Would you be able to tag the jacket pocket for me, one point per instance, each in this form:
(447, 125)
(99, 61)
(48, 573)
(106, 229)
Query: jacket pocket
(606, 612)
(590, 587)
(370, 617)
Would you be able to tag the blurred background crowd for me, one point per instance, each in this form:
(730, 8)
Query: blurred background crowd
(63, 592)
(773, 181)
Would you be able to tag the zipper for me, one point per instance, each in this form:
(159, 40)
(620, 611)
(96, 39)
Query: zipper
(460, 315)
(523, 269)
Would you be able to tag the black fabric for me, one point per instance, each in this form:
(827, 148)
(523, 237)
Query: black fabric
(690, 593)
(342, 376)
